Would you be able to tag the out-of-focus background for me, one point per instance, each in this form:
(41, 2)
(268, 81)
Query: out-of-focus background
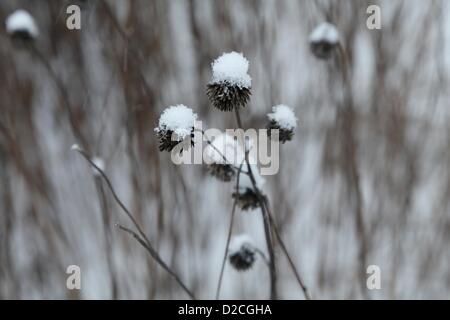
(366, 180)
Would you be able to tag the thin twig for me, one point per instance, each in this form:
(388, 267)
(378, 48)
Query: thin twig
(286, 252)
(263, 256)
(158, 259)
(116, 197)
(141, 237)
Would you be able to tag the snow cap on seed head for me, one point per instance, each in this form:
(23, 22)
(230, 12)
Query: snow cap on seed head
(231, 68)
(284, 116)
(179, 119)
(325, 32)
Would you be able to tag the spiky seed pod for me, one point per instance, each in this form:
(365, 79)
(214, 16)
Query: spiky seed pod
(242, 254)
(243, 260)
(223, 156)
(224, 172)
(323, 50)
(324, 40)
(225, 97)
(283, 134)
(168, 140)
(247, 200)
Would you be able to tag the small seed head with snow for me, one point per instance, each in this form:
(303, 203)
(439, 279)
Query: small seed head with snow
(21, 25)
(284, 120)
(242, 253)
(324, 40)
(176, 125)
(246, 196)
(223, 155)
(230, 85)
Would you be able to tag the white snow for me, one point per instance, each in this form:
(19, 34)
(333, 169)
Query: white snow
(228, 147)
(179, 119)
(231, 68)
(284, 116)
(325, 32)
(21, 20)
(238, 241)
(75, 147)
(100, 163)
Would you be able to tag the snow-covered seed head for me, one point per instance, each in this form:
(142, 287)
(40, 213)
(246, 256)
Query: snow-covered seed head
(20, 25)
(241, 253)
(284, 120)
(176, 125)
(246, 196)
(230, 86)
(223, 156)
(324, 40)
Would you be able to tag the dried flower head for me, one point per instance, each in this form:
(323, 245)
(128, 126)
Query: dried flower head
(242, 253)
(20, 25)
(223, 156)
(324, 40)
(176, 125)
(284, 120)
(246, 196)
(230, 86)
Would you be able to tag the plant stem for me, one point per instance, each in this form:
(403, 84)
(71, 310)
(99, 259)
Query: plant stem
(286, 252)
(266, 219)
(141, 237)
(230, 228)
(158, 259)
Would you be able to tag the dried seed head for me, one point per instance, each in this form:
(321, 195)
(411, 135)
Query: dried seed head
(225, 97)
(230, 84)
(223, 155)
(324, 40)
(224, 172)
(176, 125)
(281, 135)
(247, 200)
(242, 253)
(245, 195)
(169, 140)
(284, 120)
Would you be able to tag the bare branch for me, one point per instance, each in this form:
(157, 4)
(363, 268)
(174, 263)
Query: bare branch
(141, 237)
